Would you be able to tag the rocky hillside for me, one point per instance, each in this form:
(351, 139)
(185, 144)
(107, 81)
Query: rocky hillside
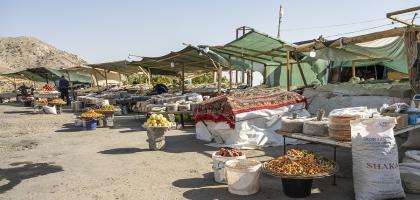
(19, 53)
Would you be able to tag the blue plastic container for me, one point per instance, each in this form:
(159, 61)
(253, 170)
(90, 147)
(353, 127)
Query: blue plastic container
(418, 117)
(91, 125)
(412, 118)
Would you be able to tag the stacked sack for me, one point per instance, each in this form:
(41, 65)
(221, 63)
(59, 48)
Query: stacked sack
(410, 172)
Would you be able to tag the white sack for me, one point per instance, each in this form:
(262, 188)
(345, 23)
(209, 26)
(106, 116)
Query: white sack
(253, 129)
(49, 110)
(375, 159)
(202, 132)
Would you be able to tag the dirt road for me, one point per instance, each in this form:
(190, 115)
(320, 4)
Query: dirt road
(46, 157)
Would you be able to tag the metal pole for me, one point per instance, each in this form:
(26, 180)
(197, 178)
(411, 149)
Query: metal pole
(280, 16)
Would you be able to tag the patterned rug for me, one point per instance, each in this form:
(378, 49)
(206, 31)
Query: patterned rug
(225, 107)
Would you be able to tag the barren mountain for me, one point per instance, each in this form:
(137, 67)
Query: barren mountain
(19, 53)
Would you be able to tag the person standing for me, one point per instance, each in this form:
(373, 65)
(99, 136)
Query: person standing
(63, 86)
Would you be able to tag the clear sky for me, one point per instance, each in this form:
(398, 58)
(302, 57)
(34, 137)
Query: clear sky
(108, 30)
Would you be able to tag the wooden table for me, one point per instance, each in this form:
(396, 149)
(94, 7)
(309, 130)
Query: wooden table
(329, 141)
(181, 113)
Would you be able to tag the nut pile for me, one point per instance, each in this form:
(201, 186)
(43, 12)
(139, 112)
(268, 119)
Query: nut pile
(301, 163)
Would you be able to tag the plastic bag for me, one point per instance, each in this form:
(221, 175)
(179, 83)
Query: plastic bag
(350, 112)
(376, 172)
(396, 107)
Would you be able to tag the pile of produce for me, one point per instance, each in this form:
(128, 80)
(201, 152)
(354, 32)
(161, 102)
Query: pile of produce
(58, 102)
(300, 163)
(91, 114)
(47, 88)
(106, 108)
(43, 102)
(157, 120)
(229, 152)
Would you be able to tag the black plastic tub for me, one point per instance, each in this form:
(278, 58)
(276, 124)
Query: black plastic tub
(297, 188)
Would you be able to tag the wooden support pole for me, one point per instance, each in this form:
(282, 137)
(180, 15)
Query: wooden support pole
(265, 75)
(353, 69)
(183, 80)
(215, 76)
(230, 76)
(288, 70)
(106, 78)
(119, 76)
(96, 78)
(251, 82)
(14, 83)
(236, 77)
(243, 77)
(71, 85)
(301, 73)
(219, 80)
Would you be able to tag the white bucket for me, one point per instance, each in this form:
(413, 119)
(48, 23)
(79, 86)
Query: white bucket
(78, 122)
(73, 106)
(102, 102)
(219, 166)
(243, 176)
(77, 106)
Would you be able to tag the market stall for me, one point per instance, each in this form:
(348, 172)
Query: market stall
(246, 118)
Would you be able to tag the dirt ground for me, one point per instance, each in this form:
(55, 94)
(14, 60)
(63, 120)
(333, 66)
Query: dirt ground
(46, 157)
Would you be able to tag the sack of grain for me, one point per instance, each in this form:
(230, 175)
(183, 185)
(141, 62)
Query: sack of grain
(375, 159)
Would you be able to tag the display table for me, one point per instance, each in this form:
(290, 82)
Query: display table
(331, 142)
(181, 113)
(7, 95)
(50, 95)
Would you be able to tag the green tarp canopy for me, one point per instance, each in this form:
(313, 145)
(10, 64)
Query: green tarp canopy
(26, 75)
(192, 59)
(261, 49)
(116, 66)
(42, 74)
(388, 52)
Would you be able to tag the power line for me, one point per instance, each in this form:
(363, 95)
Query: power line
(366, 29)
(340, 25)
(334, 25)
(361, 30)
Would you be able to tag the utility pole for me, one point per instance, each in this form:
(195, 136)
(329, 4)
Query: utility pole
(281, 12)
